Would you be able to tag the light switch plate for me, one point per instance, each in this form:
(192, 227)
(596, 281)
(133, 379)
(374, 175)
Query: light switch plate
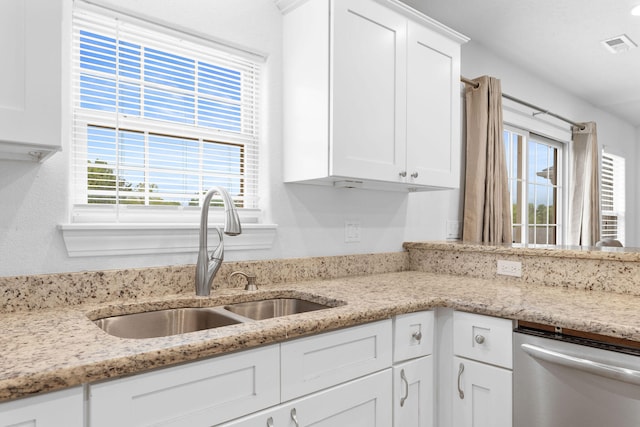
(454, 230)
(352, 231)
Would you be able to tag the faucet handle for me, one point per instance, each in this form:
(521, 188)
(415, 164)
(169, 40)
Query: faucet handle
(251, 280)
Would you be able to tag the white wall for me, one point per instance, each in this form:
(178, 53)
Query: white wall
(310, 219)
(618, 136)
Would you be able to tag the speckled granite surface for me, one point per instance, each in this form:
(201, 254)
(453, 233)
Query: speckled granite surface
(51, 348)
(605, 269)
(63, 290)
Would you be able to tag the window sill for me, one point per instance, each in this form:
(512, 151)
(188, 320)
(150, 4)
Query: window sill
(85, 240)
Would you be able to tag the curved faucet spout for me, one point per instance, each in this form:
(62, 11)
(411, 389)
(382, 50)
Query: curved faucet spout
(207, 266)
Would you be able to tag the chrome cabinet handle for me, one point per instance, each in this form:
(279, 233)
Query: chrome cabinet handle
(270, 422)
(479, 339)
(617, 373)
(294, 417)
(460, 371)
(414, 175)
(417, 336)
(403, 174)
(403, 377)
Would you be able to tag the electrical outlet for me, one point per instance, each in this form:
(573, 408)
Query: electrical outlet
(510, 268)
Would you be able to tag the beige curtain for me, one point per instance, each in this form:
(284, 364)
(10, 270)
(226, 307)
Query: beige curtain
(487, 207)
(584, 196)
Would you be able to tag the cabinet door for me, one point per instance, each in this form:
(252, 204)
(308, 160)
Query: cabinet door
(362, 403)
(486, 399)
(203, 393)
(433, 108)
(413, 402)
(365, 402)
(30, 78)
(368, 88)
(60, 408)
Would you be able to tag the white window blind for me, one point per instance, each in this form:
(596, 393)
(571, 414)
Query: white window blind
(613, 197)
(158, 119)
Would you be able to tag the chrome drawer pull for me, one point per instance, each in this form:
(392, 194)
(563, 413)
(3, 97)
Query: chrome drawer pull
(403, 174)
(403, 377)
(479, 339)
(270, 422)
(294, 417)
(417, 336)
(460, 391)
(414, 175)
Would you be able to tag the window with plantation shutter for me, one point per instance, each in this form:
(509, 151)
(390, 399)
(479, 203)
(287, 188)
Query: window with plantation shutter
(158, 119)
(613, 197)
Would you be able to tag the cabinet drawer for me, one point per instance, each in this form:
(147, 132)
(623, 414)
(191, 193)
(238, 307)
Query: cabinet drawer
(412, 335)
(483, 338)
(202, 393)
(314, 363)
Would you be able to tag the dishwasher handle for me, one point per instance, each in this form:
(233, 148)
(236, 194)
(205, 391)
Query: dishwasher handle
(617, 373)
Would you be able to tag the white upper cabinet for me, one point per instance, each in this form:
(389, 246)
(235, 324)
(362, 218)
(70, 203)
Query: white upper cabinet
(371, 96)
(368, 91)
(30, 78)
(433, 108)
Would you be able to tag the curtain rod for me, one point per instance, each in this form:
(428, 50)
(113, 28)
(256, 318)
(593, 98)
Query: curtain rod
(526, 104)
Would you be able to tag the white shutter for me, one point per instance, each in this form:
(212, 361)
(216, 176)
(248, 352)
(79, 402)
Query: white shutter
(158, 119)
(613, 197)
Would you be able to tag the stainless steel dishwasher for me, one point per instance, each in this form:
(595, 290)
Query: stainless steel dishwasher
(566, 381)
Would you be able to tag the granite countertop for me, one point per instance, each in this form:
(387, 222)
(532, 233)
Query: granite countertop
(51, 349)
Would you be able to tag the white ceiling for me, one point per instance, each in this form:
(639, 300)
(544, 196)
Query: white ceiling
(559, 40)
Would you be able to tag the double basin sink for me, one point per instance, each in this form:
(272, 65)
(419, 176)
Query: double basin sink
(174, 321)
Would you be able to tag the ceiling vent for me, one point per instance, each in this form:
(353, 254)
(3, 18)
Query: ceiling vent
(618, 44)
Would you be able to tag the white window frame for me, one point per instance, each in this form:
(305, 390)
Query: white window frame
(562, 176)
(104, 230)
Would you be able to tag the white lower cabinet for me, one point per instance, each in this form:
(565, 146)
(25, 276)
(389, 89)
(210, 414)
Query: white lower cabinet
(56, 409)
(413, 400)
(357, 358)
(203, 393)
(482, 371)
(413, 375)
(379, 374)
(218, 390)
(365, 402)
(483, 395)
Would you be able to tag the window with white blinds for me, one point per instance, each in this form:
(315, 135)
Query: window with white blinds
(158, 119)
(613, 197)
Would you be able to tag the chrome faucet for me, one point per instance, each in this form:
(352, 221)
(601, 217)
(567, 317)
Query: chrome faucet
(207, 266)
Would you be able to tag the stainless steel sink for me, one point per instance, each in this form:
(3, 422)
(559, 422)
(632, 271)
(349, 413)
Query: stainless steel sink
(275, 307)
(163, 323)
(174, 321)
